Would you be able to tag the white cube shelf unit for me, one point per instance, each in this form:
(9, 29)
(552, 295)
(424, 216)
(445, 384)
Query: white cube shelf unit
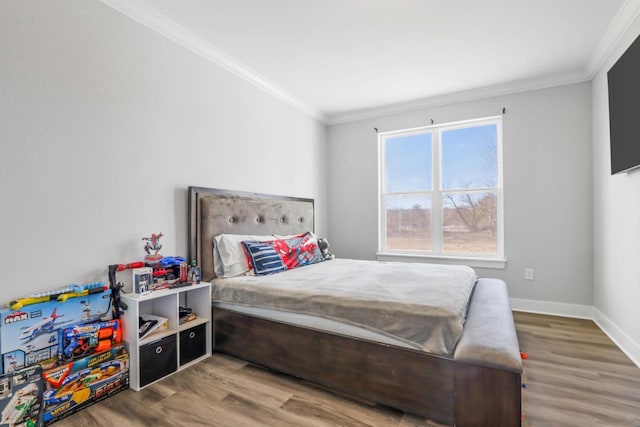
(176, 347)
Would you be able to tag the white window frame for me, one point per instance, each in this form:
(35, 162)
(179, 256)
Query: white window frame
(487, 261)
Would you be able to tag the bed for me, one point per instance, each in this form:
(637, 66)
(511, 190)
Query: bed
(474, 380)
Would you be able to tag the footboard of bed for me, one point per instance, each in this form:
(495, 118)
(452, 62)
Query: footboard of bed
(487, 396)
(435, 387)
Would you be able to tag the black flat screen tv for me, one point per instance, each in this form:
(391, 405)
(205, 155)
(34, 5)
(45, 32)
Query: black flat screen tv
(624, 110)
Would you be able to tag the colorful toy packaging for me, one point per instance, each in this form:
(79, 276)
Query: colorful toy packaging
(21, 398)
(82, 340)
(29, 335)
(73, 386)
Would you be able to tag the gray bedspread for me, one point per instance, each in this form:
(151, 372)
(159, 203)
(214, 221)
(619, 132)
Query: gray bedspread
(424, 305)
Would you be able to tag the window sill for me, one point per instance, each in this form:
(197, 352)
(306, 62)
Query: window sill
(497, 263)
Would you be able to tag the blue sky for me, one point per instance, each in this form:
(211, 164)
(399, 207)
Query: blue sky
(408, 163)
(468, 161)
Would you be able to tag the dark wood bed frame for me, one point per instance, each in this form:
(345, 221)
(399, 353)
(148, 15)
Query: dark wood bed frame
(438, 388)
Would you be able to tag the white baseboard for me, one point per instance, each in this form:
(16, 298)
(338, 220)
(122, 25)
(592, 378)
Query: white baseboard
(622, 340)
(617, 335)
(553, 308)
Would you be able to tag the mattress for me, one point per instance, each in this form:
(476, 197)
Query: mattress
(421, 305)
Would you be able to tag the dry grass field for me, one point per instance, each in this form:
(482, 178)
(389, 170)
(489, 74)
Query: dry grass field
(454, 242)
(465, 242)
(462, 231)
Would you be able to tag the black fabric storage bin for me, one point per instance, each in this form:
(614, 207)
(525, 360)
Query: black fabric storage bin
(158, 359)
(193, 343)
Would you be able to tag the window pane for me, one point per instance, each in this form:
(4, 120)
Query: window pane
(469, 157)
(408, 163)
(469, 223)
(409, 222)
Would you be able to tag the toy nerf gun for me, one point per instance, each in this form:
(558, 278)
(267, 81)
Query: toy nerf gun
(87, 291)
(119, 306)
(61, 295)
(122, 267)
(80, 340)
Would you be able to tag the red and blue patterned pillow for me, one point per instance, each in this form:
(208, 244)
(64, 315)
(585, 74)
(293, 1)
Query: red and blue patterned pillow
(278, 255)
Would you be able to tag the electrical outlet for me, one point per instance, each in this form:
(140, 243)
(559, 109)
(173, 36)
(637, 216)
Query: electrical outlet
(528, 273)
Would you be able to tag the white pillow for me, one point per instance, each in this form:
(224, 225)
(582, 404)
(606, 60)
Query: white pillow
(229, 259)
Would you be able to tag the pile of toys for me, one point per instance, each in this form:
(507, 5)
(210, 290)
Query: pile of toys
(77, 383)
(61, 351)
(156, 271)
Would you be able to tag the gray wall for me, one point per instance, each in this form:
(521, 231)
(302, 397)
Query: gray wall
(616, 208)
(547, 187)
(104, 123)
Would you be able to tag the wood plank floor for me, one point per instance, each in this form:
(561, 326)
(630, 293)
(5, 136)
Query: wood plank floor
(575, 376)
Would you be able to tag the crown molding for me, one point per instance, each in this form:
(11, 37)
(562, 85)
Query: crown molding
(180, 35)
(627, 14)
(136, 10)
(457, 97)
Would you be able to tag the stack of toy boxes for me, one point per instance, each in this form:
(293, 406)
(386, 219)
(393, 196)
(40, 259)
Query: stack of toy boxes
(77, 384)
(39, 333)
(29, 332)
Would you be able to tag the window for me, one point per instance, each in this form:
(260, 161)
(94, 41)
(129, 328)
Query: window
(441, 190)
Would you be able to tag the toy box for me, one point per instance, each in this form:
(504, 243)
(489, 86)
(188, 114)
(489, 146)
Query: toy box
(30, 335)
(21, 398)
(142, 280)
(73, 386)
(82, 340)
(168, 270)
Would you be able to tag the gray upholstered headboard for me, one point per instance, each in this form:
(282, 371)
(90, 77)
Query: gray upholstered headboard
(213, 212)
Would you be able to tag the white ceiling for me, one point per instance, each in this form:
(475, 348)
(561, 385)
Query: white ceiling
(342, 59)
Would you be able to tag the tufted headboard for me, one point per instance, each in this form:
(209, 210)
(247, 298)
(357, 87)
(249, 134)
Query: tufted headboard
(213, 212)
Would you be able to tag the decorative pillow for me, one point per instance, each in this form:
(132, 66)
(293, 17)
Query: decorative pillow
(264, 258)
(229, 258)
(292, 252)
(302, 250)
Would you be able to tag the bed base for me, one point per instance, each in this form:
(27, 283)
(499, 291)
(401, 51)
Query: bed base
(435, 387)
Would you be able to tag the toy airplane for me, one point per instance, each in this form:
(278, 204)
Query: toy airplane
(46, 325)
(20, 404)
